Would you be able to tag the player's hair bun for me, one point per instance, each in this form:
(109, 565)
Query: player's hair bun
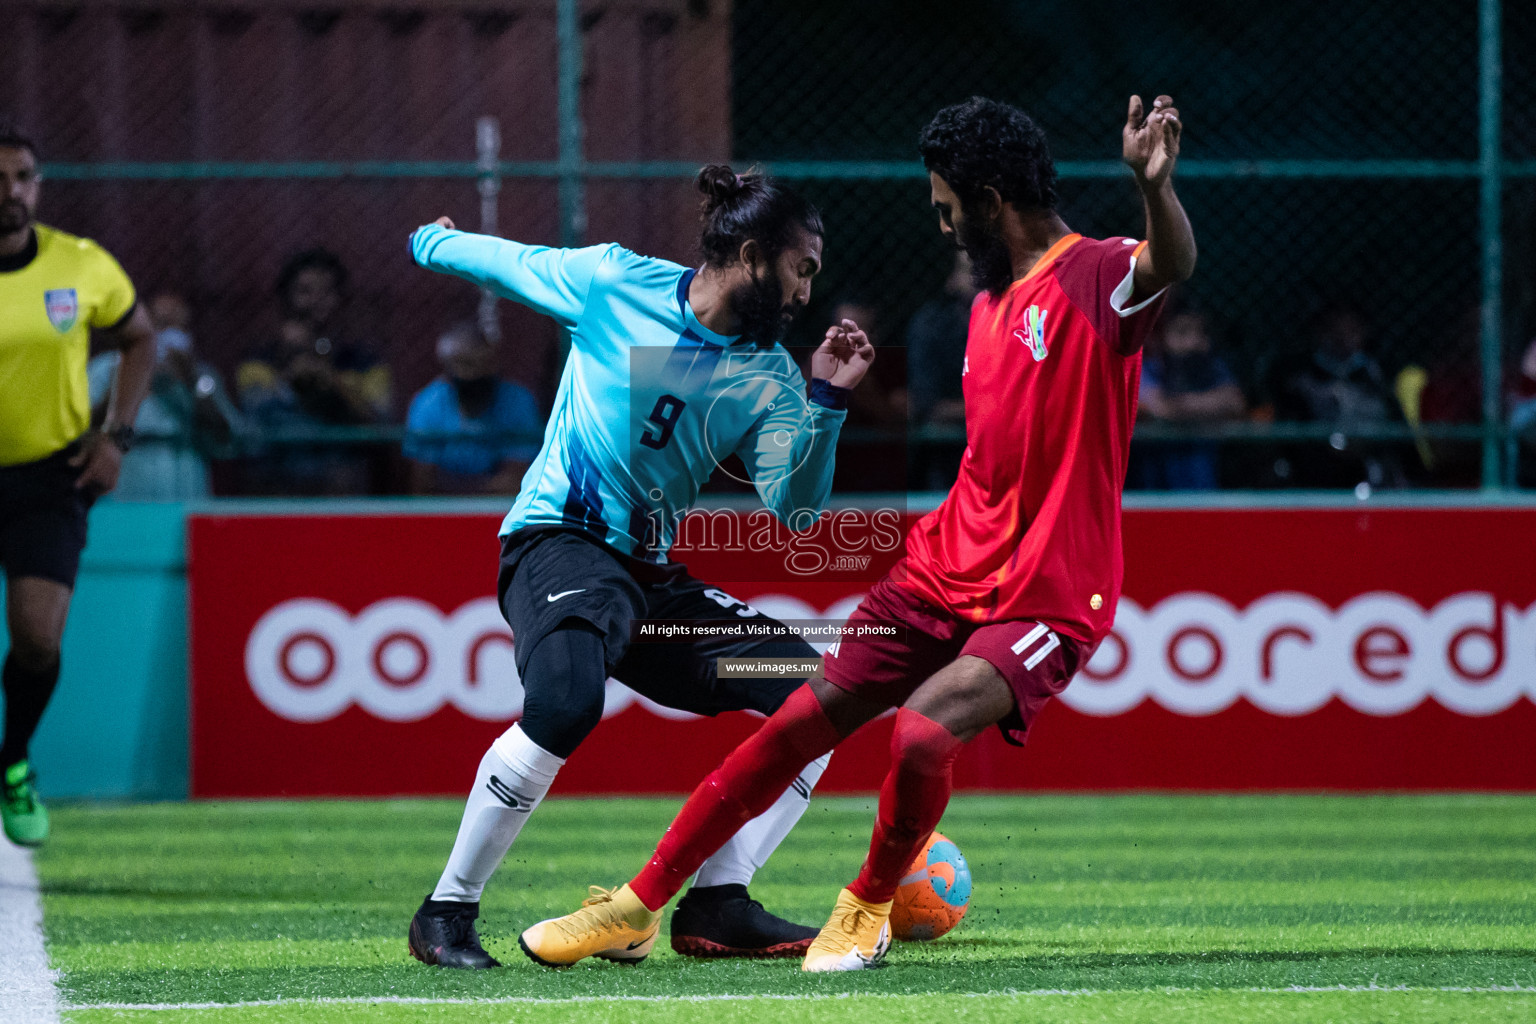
(719, 184)
(738, 207)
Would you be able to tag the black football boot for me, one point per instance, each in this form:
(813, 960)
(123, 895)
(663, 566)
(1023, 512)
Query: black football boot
(443, 934)
(724, 921)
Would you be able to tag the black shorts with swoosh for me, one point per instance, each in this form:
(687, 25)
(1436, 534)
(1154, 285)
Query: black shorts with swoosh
(550, 575)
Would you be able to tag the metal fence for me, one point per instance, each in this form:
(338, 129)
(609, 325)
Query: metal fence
(1354, 159)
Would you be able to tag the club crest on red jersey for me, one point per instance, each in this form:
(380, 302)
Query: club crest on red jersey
(63, 307)
(1032, 334)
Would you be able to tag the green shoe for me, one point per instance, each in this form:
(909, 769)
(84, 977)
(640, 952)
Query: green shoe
(26, 819)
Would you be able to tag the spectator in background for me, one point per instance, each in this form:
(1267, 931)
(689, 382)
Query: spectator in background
(186, 415)
(1184, 381)
(935, 358)
(1449, 390)
(312, 373)
(312, 376)
(1523, 387)
(881, 401)
(1522, 418)
(936, 350)
(1337, 381)
(877, 411)
(469, 399)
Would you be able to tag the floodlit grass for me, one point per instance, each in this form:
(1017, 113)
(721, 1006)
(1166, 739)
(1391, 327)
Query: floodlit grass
(1123, 908)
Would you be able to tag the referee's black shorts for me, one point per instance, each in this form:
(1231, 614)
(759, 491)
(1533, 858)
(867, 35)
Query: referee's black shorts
(550, 575)
(42, 518)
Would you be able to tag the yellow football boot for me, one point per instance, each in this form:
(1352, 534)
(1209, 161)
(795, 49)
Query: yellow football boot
(612, 924)
(856, 936)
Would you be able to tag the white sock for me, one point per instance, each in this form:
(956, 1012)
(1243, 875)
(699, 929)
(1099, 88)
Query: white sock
(752, 845)
(514, 775)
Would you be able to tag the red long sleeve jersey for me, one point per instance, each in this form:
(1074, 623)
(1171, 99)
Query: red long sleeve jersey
(1031, 528)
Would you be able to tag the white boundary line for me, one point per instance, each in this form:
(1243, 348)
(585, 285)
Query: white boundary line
(792, 997)
(25, 977)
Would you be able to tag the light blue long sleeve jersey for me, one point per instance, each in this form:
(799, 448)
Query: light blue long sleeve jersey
(651, 400)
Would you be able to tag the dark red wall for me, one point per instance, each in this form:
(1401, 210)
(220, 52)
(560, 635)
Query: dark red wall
(348, 80)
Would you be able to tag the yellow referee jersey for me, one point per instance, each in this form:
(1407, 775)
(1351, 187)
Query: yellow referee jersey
(48, 306)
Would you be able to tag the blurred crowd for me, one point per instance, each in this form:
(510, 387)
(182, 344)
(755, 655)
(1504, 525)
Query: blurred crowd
(309, 407)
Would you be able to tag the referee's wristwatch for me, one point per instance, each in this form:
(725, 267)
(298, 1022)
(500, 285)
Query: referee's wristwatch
(121, 435)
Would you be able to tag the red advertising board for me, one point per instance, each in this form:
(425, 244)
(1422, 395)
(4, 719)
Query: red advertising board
(1336, 648)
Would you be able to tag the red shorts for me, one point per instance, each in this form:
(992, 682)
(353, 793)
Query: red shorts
(1036, 661)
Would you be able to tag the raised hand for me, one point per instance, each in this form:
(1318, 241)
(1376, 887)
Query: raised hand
(844, 356)
(1150, 141)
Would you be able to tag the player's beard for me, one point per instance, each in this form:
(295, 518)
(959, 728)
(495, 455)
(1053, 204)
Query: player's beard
(14, 216)
(991, 262)
(759, 305)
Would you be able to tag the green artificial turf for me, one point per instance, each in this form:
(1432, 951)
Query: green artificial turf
(1124, 908)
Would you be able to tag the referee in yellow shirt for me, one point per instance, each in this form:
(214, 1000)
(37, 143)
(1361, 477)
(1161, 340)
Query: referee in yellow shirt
(55, 289)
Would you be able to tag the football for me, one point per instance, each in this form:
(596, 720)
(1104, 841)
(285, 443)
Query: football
(935, 893)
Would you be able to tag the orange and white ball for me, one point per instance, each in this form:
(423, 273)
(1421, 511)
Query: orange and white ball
(935, 893)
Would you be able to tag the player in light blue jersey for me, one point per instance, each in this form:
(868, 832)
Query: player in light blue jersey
(671, 370)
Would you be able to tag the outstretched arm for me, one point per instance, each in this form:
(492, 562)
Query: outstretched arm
(1150, 147)
(554, 282)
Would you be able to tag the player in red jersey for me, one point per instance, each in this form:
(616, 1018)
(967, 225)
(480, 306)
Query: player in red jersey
(1008, 586)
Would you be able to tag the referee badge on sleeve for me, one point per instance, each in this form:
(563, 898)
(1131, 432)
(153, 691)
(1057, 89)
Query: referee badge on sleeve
(63, 308)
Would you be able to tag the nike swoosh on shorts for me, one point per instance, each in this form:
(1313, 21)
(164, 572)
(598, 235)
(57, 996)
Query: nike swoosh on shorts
(552, 598)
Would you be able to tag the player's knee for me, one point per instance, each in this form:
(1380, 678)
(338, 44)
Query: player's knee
(918, 743)
(560, 728)
(564, 685)
(558, 722)
(34, 650)
(965, 697)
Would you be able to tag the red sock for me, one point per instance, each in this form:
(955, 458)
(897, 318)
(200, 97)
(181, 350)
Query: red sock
(912, 801)
(745, 785)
